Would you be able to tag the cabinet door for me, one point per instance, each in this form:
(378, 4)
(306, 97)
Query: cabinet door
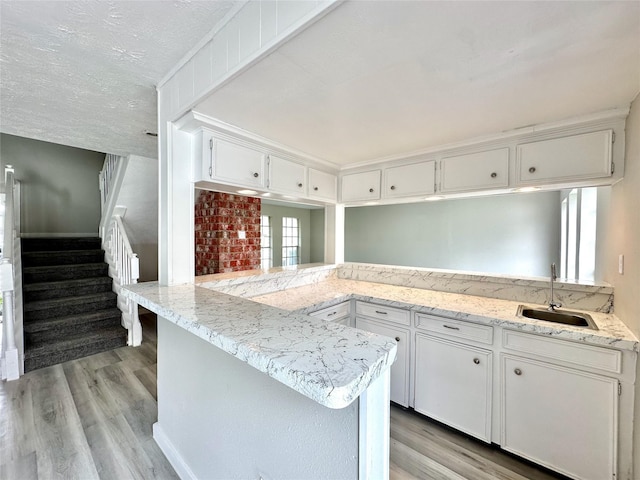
(475, 171)
(408, 180)
(286, 176)
(400, 368)
(361, 186)
(322, 185)
(453, 384)
(237, 164)
(562, 418)
(577, 157)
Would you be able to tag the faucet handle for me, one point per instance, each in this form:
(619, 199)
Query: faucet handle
(554, 276)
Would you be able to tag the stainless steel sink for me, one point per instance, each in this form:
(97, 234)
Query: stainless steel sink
(565, 317)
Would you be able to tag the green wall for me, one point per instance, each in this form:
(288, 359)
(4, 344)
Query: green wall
(59, 185)
(516, 234)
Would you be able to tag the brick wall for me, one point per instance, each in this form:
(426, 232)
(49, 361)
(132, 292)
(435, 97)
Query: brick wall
(219, 217)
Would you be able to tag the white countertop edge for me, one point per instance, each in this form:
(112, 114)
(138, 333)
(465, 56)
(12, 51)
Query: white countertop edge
(334, 388)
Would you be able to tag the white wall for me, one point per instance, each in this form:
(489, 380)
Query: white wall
(59, 185)
(624, 238)
(139, 193)
(511, 234)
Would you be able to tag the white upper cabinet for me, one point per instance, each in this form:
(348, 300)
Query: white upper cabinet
(322, 185)
(228, 162)
(475, 171)
(361, 186)
(576, 157)
(410, 180)
(286, 176)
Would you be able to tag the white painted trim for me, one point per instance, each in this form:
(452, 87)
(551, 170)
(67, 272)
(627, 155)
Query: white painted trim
(192, 121)
(59, 235)
(560, 127)
(175, 459)
(374, 428)
(198, 46)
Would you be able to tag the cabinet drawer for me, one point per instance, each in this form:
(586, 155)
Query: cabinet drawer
(335, 312)
(571, 352)
(476, 171)
(455, 328)
(389, 314)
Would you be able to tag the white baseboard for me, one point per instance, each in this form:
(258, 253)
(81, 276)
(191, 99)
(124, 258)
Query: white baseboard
(58, 235)
(176, 461)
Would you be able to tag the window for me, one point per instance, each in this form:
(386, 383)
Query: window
(290, 241)
(266, 257)
(578, 234)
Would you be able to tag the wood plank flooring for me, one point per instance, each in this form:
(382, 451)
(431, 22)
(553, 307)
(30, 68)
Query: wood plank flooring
(92, 418)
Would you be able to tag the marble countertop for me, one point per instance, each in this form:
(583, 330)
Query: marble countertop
(611, 331)
(329, 363)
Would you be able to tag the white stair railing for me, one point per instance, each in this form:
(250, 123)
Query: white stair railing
(124, 268)
(106, 177)
(12, 353)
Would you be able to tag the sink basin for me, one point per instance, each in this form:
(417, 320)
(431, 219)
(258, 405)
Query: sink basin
(565, 317)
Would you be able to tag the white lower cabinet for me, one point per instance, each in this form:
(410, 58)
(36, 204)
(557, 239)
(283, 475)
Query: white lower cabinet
(560, 417)
(400, 368)
(453, 383)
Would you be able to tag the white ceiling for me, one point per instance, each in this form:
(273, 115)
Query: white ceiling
(370, 79)
(375, 79)
(83, 73)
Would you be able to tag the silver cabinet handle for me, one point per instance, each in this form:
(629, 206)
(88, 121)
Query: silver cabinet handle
(331, 314)
(256, 174)
(397, 339)
(476, 361)
(517, 371)
(532, 169)
(494, 175)
(315, 188)
(371, 190)
(450, 327)
(393, 187)
(299, 185)
(381, 313)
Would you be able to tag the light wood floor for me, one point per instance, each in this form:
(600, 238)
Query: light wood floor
(92, 418)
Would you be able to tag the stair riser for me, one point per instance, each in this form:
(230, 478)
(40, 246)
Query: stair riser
(44, 260)
(53, 358)
(67, 330)
(63, 273)
(55, 244)
(66, 310)
(54, 293)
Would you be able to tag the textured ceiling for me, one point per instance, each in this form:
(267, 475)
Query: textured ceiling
(83, 73)
(374, 79)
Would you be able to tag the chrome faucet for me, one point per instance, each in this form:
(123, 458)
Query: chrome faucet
(553, 305)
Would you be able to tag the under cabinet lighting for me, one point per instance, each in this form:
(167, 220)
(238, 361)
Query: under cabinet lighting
(434, 198)
(527, 189)
(247, 192)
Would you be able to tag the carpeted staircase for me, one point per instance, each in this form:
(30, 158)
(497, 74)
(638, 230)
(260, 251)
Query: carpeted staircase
(69, 309)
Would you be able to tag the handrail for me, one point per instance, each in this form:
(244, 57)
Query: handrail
(105, 178)
(10, 356)
(124, 268)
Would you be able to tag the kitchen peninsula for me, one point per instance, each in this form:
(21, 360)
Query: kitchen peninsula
(467, 359)
(218, 406)
(321, 410)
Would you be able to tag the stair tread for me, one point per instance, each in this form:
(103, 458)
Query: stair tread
(57, 284)
(74, 300)
(64, 252)
(82, 340)
(52, 323)
(75, 265)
